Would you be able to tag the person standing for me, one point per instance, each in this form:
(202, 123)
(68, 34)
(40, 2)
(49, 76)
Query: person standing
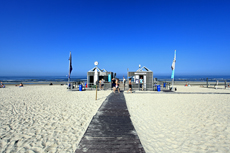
(102, 83)
(141, 83)
(124, 80)
(130, 85)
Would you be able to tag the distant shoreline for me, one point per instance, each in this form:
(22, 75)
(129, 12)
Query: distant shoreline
(58, 80)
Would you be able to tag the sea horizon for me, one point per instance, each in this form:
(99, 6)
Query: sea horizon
(46, 79)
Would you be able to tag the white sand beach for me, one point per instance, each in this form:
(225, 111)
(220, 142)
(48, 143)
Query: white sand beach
(45, 118)
(182, 122)
(52, 119)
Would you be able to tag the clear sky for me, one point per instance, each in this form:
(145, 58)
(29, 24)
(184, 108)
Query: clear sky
(36, 36)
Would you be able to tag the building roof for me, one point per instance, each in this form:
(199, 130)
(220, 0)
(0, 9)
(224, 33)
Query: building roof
(144, 68)
(98, 69)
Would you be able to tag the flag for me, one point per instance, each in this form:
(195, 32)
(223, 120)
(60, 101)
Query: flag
(70, 64)
(174, 61)
(173, 65)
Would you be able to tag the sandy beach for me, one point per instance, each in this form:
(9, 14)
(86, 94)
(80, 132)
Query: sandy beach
(189, 122)
(45, 118)
(52, 119)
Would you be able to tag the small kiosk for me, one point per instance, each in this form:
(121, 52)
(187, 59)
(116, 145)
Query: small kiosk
(96, 74)
(142, 73)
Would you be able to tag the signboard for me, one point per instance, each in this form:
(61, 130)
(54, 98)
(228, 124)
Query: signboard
(109, 77)
(139, 73)
(102, 73)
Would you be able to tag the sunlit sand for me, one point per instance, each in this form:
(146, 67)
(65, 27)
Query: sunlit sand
(192, 122)
(53, 119)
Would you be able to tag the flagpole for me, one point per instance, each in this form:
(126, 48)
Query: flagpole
(172, 82)
(69, 76)
(172, 77)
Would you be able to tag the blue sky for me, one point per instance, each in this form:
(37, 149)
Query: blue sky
(37, 36)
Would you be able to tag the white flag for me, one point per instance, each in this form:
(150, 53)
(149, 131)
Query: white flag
(174, 61)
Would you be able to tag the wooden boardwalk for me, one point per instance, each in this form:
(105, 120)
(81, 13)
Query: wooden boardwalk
(111, 129)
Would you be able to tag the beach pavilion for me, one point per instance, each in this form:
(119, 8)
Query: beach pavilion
(96, 74)
(144, 73)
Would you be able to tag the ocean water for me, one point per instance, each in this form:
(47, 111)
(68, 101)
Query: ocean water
(190, 78)
(195, 78)
(49, 79)
(39, 79)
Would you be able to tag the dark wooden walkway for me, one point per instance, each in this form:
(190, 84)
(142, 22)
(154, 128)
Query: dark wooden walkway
(111, 129)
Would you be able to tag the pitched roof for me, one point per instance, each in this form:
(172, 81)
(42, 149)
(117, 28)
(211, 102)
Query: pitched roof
(143, 68)
(98, 69)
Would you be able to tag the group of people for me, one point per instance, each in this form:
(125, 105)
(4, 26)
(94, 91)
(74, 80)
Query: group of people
(2, 85)
(20, 85)
(115, 84)
(130, 84)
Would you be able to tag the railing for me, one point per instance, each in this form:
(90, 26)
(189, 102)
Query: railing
(148, 86)
(105, 86)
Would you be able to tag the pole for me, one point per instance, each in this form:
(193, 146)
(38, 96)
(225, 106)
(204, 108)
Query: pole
(68, 82)
(69, 75)
(143, 86)
(96, 93)
(127, 77)
(139, 84)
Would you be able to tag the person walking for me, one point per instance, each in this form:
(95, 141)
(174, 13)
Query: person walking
(113, 85)
(130, 86)
(124, 82)
(117, 85)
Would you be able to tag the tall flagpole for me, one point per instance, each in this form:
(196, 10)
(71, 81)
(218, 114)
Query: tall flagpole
(172, 82)
(173, 68)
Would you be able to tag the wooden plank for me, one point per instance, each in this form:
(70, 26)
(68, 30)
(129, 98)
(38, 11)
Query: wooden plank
(111, 129)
